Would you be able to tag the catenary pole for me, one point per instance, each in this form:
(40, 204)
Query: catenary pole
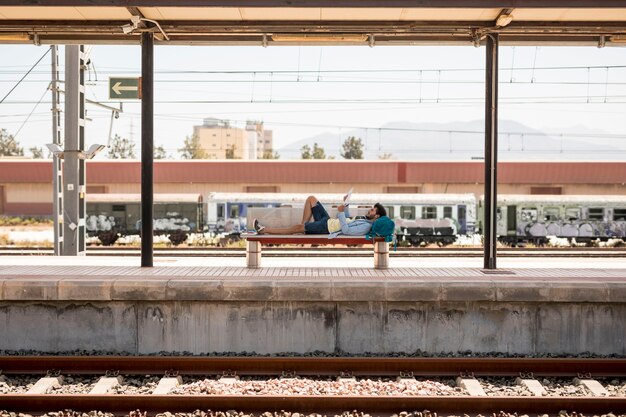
(147, 147)
(57, 168)
(491, 152)
(74, 164)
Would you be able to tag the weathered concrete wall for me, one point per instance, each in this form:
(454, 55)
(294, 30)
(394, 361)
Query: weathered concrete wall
(305, 326)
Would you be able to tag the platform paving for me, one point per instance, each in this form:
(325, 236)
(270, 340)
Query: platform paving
(119, 278)
(299, 304)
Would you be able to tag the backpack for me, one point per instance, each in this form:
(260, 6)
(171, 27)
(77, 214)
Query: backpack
(382, 227)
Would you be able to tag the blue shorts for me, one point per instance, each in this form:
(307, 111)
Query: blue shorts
(320, 224)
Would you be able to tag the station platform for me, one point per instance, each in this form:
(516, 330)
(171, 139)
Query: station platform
(302, 305)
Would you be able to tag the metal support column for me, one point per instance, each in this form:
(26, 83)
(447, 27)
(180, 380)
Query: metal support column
(491, 152)
(57, 168)
(147, 147)
(74, 165)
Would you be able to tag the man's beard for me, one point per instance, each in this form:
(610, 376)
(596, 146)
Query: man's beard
(370, 217)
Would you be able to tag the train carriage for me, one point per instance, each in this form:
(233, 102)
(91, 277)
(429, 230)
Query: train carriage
(174, 214)
(584, 218)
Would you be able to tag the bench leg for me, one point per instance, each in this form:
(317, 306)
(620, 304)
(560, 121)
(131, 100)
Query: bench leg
(253, 254)
(381, 255)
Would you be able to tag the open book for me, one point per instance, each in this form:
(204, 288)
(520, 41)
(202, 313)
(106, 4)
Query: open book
(346, 202)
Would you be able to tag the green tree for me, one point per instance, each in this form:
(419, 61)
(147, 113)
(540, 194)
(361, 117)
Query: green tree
(352, 148)
(8, 145)
(36, 152)
(159, 152)
(305, 152)
(230, 152)
(269, 154)
(192, 150)
(318, 152)
(121, 148)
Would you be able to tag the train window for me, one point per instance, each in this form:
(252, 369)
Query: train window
(619, 214)
(234, 211)
(407, 212)
(389, 211)
(447, 212)
(528, 214)
(220, 211)
(572, 214)
(429, 212)
(595, 213)
(550, 214)
(118, 207)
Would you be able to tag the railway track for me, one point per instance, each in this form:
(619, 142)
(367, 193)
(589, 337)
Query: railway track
(224, 371)
(332, 252)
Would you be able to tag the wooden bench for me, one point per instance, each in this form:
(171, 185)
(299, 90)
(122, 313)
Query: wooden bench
(254, 243)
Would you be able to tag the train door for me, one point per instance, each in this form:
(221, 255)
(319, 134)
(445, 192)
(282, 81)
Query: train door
(462, 219)
(118, 211)
(232, 218)
(618, 225)
(511, 220)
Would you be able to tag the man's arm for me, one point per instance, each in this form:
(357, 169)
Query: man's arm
(343, 209)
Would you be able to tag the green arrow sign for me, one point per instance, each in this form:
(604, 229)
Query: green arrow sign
(124, 88)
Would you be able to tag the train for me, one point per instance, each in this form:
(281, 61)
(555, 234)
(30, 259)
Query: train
(420, 218)
(110, 216)
(532, 218)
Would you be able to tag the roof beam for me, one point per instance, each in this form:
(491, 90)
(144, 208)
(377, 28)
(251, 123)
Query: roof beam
(502, 4)
(198, 27)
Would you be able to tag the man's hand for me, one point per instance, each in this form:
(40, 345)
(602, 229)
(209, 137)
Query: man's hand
(341, 208)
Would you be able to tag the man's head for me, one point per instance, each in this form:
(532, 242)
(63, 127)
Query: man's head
(376, 211)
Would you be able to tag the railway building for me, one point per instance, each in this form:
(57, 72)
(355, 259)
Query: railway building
(26, 185)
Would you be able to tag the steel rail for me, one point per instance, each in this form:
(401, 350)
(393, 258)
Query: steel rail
(194, 365)
(317, 366)
(333, 252)
(309, 404)
(575, 249)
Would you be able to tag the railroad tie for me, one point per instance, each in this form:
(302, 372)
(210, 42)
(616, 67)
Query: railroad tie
(45, 384)
(532, 385)
(229, 379)
(106, 384)
(596, 389)
(346, 376)
(472, 386)
(406, 377)
(167, 384)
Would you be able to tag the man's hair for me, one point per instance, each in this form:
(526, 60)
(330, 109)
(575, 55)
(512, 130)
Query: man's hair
(380, 210)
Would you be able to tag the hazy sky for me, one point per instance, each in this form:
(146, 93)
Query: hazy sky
(304, 91)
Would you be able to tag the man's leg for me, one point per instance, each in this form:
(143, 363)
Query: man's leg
(291, 230)
(308, 208)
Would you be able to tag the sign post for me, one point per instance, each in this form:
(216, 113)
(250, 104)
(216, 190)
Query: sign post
(124, 88)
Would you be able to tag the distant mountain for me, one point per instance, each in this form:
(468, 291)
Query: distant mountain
(465, 140)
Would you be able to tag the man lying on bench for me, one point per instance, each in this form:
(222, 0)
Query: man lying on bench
(323, 224)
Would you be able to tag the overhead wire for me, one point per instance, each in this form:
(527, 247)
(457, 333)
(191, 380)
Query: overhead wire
(32, 111)
(25, 75)
(315, 72)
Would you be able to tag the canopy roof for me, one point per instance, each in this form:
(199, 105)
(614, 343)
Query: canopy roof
(265, 22)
